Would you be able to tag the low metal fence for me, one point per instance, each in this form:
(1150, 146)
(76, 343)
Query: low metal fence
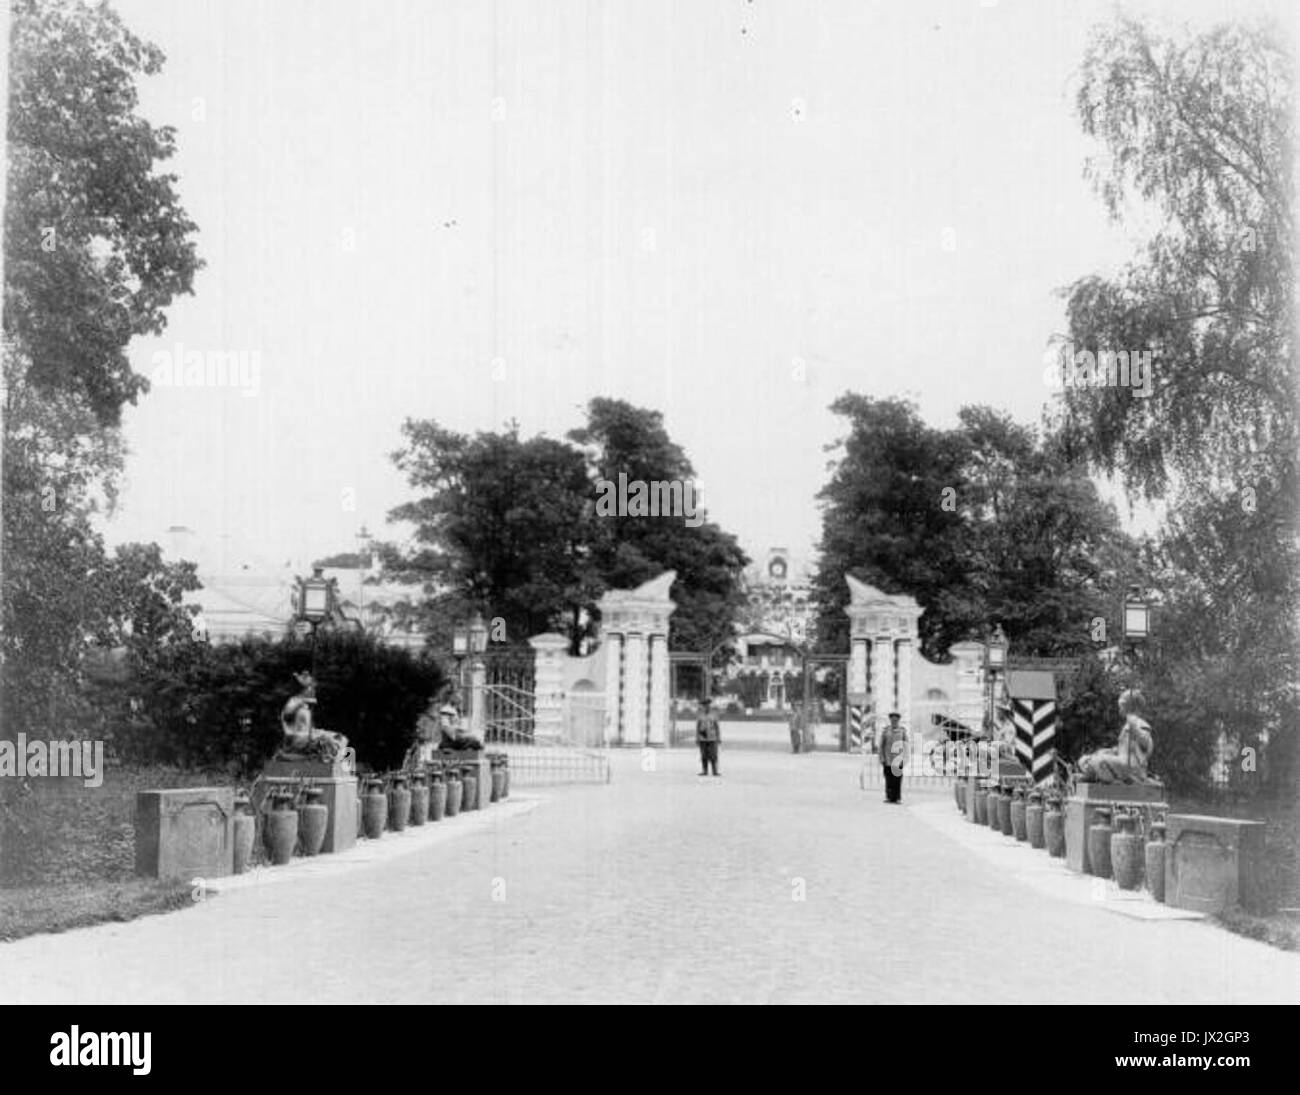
(541, 759)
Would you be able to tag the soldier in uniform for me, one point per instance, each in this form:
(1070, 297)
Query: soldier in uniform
(893, 755)
(707, 737)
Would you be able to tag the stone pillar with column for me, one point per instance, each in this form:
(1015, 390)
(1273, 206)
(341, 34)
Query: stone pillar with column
(858, 663)
(548, 684)
(478, 697)
(634, 631)
(887, 625)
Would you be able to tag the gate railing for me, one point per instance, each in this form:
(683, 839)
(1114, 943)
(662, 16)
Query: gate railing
(536, 759)
(934, 757)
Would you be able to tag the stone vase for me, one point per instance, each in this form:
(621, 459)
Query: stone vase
(313, 819)
(1155, 861)
(1099, 834)
(1004, 813)
(1054, 831)
(498, 780)
(437, 797)
(956, 792)
(505, 775)
(469, 788)
(454, 793)
(374, 809)
(991, 808)
(281, 831)
(243, 829)
(399, 804)
(1034, 821)
(1127, 854)
(1018, 827)
(419, 800)
(980, 814)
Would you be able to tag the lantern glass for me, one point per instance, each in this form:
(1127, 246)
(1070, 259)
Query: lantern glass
(1136, 619)
(478, 633)
(460, 641)
(315, 601)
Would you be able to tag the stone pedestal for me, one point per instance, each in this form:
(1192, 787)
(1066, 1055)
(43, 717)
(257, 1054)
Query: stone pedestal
(184, 833)
(339, 786)
(1081, 811)
(1213, 863)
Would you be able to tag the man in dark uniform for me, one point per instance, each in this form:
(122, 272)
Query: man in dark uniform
(707, 737)
(893, 755)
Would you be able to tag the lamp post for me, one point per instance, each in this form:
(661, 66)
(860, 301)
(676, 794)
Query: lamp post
(1137, 623)
(468, 637)
(995, 662)
(363, 538)
(314, 598)
(315, 603)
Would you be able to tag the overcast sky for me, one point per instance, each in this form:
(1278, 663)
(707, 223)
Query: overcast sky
(479, 211)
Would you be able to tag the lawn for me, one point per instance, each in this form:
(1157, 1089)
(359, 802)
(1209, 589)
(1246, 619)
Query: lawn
(67, 851)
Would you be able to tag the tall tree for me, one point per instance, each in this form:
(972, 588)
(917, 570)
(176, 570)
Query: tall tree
(623, 440)
(96, 248)
(502, 524)
(981, 522)
(1200, 132)
(891, 518)
(97, 244)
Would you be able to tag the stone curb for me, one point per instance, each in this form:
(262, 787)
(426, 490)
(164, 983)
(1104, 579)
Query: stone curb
(1033, 867)
(390, 846)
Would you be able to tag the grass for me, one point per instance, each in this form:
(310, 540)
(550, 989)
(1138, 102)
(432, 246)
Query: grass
(61, 907)
(67, 851)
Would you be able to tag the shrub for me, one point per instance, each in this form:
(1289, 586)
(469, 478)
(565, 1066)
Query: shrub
(219, 706)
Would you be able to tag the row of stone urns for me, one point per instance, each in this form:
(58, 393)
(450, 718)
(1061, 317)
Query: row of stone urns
(429, 793)
(298, 819)
(1121, 852)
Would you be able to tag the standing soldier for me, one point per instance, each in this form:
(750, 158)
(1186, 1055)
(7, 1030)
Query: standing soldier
(893, 756)
(707, 736)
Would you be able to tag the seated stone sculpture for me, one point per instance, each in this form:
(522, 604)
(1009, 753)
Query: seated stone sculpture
(302, 740)
(1127, 762)
(452, 732)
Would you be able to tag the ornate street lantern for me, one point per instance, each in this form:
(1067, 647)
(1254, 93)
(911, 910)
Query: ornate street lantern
(314, 596)
(995, 662)
(478, 634)
(995, 650)
(1137, 617)
(469, 637)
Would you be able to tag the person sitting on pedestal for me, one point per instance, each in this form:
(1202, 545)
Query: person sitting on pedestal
(1127, 762)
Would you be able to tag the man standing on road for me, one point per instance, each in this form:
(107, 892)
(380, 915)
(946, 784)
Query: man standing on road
(707, 736)
(893, 755)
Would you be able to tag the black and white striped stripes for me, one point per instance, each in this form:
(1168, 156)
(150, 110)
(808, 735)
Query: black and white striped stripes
(1035, 722)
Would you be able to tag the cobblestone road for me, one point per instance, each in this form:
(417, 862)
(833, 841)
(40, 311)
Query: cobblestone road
(780, 882)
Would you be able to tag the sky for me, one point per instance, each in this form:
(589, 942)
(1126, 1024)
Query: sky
(731, 211)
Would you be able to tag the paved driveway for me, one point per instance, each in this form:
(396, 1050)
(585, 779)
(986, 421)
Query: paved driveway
(781, 882)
